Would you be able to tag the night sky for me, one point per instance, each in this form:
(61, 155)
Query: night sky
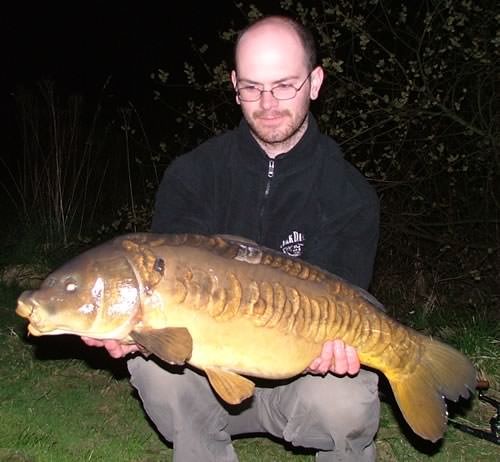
(80, 44)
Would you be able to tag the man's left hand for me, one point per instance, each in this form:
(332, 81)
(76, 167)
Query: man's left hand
(336, 357)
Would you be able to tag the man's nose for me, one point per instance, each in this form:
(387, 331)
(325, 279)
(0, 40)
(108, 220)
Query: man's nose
(267, 100)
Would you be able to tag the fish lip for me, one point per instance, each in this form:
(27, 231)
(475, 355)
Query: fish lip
(37, 332)
(30, 310)
(32, 330)
(25, 310)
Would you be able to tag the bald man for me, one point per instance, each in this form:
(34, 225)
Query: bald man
(277, 180)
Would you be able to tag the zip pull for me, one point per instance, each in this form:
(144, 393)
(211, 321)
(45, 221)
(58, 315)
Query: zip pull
(270, 169)
(270, 175)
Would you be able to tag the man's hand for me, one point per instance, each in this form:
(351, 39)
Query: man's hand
(114, 347)
(336, 357)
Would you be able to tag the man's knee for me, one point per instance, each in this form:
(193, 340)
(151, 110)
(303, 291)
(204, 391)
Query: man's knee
(336, 396)
(355, 403)
(154, 384)
(184, 410)
(175, 400)
(331, 408)
(181, 390)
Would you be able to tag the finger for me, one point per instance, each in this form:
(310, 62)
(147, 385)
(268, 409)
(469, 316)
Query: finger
(340, 363)
(314, 365)
(130, 349)
(321, 364)
(326, 358)
(115, 350)
(92, 341)
(352, 360)
(111, 344)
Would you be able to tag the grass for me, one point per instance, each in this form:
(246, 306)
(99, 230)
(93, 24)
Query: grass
(62, 401)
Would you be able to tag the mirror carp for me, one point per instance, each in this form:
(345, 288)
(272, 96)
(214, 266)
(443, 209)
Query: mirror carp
(234, 310)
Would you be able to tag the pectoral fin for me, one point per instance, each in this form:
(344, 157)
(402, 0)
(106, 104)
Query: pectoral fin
(172, 344)
(231, 387)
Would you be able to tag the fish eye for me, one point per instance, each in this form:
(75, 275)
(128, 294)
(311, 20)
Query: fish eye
(70, 285)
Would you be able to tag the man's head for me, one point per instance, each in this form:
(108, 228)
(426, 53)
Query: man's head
(276, 53)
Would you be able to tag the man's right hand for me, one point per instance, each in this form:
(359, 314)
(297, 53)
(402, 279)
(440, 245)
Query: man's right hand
(114, 347)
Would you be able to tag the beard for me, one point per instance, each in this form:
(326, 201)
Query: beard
(283, 136)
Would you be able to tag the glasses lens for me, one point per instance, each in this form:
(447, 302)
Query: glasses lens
(249, 94)
(284, 92)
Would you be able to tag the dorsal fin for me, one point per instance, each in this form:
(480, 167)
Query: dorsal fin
(236, 239)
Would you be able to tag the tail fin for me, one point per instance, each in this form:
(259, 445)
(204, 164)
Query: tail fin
(443, 372)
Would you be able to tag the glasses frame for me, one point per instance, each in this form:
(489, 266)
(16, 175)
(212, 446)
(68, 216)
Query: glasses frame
(297, 89)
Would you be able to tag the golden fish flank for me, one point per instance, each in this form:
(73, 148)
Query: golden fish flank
(231, 308)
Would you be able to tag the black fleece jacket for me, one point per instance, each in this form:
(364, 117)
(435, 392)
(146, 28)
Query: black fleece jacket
(309, 202)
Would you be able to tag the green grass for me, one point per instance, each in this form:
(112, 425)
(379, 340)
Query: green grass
(62, 401)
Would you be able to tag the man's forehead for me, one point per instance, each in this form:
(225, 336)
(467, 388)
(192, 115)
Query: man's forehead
(271, 52)
(272, 34)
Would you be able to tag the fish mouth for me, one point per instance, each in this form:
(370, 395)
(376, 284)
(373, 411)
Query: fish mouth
(25, 310)
(32, 330)
(38, 326)
(36, 332)
(30, 310)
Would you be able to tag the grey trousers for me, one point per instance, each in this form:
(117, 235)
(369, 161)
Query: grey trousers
(337, 416)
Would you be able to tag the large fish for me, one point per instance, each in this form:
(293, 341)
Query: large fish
(233, 308)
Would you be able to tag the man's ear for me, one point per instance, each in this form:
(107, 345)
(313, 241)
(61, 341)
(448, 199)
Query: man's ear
(234, 80)
(317, 76)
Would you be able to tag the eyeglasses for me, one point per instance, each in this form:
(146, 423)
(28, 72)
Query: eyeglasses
(281, 91)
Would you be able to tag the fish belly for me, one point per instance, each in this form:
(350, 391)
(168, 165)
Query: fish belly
(241, 346)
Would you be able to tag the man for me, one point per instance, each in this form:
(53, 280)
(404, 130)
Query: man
(276, 180)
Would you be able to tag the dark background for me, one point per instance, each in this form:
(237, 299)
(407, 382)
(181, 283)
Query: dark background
(81, 44)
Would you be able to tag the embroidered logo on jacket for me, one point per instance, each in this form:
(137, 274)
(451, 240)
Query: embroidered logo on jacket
(293, 245)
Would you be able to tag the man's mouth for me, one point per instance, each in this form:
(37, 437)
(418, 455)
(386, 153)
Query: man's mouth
(271, 119)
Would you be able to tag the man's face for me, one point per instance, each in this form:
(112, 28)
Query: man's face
(268, 56)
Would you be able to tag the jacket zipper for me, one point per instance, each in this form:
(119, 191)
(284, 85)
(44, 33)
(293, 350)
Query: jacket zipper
(270, 176)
